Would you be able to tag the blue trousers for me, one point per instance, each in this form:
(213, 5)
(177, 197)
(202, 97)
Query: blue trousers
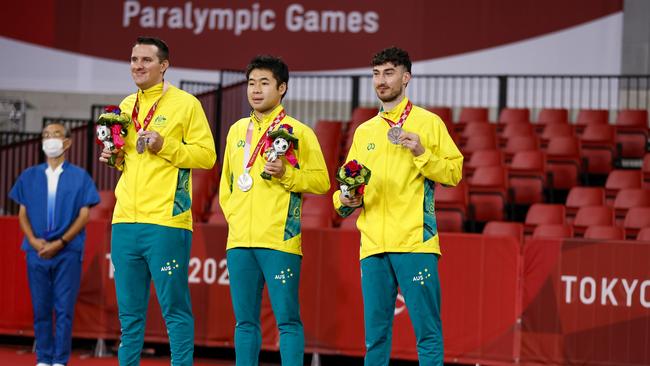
(54, 286)
(140, 253)
(249, 269)
(416, 274)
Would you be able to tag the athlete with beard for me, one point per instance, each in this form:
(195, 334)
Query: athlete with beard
(408, 150)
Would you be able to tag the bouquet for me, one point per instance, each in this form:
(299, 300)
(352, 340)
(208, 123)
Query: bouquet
(111, 128)
(353, 178)
(280, 142)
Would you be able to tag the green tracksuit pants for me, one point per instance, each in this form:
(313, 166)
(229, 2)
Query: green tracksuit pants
(416, 274)
(249, 269)
(140, 253)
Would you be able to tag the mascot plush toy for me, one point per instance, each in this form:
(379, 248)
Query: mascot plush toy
(111, 128)
(280, 142)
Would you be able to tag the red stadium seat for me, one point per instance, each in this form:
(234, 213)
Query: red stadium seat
(632, 132)
(564, 162)
(630, 197)
(549, 231)
(592, 215)
(619, 179)
(516, 115)
(591, 116)
(645, 169)
(598, 148)
(553, 116)
(451, 207)
(476, 143)
(581, 197)
(604, 232)
(478, 128)
(360, 114)
(541, 213)
(520, 143)
(483, 158)
(514, 229)
(636, 219)
(644, 234)
(488, 193)
(527, 177)
(516, 129)
(469, 114)
(556, 130)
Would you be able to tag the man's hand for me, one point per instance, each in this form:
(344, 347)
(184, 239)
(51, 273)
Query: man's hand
(37, 244)
(275, 168)
(51, 249)
(106, 154)
(354, 201)
(153, 139)
(411, 141)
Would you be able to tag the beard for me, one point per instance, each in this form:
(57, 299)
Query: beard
(391, 96)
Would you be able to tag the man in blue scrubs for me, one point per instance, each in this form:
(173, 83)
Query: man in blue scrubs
(54, 199)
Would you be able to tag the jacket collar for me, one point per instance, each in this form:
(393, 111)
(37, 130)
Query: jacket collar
(395, 113)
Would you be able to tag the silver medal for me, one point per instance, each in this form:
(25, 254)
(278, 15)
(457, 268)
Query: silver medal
(393, 134)
(141, 145)
(245, 182)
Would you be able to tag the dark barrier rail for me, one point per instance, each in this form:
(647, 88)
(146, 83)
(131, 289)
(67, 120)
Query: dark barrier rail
(18, 151)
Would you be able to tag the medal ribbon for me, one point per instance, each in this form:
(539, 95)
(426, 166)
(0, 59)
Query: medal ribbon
(249, 137)
(402, 118)
(152, 110)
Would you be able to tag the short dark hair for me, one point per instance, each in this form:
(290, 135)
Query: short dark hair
(394, 55)
(274, 64)
(163, 50)
(66, 127)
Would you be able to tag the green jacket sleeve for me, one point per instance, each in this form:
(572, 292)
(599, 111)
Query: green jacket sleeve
(196, 151)
(312, 176)
(441, 162)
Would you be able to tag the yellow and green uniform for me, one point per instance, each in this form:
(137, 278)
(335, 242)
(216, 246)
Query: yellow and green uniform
(264, 236)
(398, 213)
(268, 216)
(152, 221)
(157, 188)
(399, 234)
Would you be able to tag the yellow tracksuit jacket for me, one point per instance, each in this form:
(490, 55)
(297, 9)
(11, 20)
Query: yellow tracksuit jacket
(157, 188)
(268, 215)
(398, 205)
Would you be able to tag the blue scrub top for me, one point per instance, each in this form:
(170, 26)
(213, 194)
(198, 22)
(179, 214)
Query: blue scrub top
(75, 190)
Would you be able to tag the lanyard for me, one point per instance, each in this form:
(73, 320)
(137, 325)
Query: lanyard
(152, 110)
(249, 137)
(402, 118)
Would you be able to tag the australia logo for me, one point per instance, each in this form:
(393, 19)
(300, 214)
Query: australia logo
(160, 121)
(422, 276)
(284, 276)
(170, 267)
